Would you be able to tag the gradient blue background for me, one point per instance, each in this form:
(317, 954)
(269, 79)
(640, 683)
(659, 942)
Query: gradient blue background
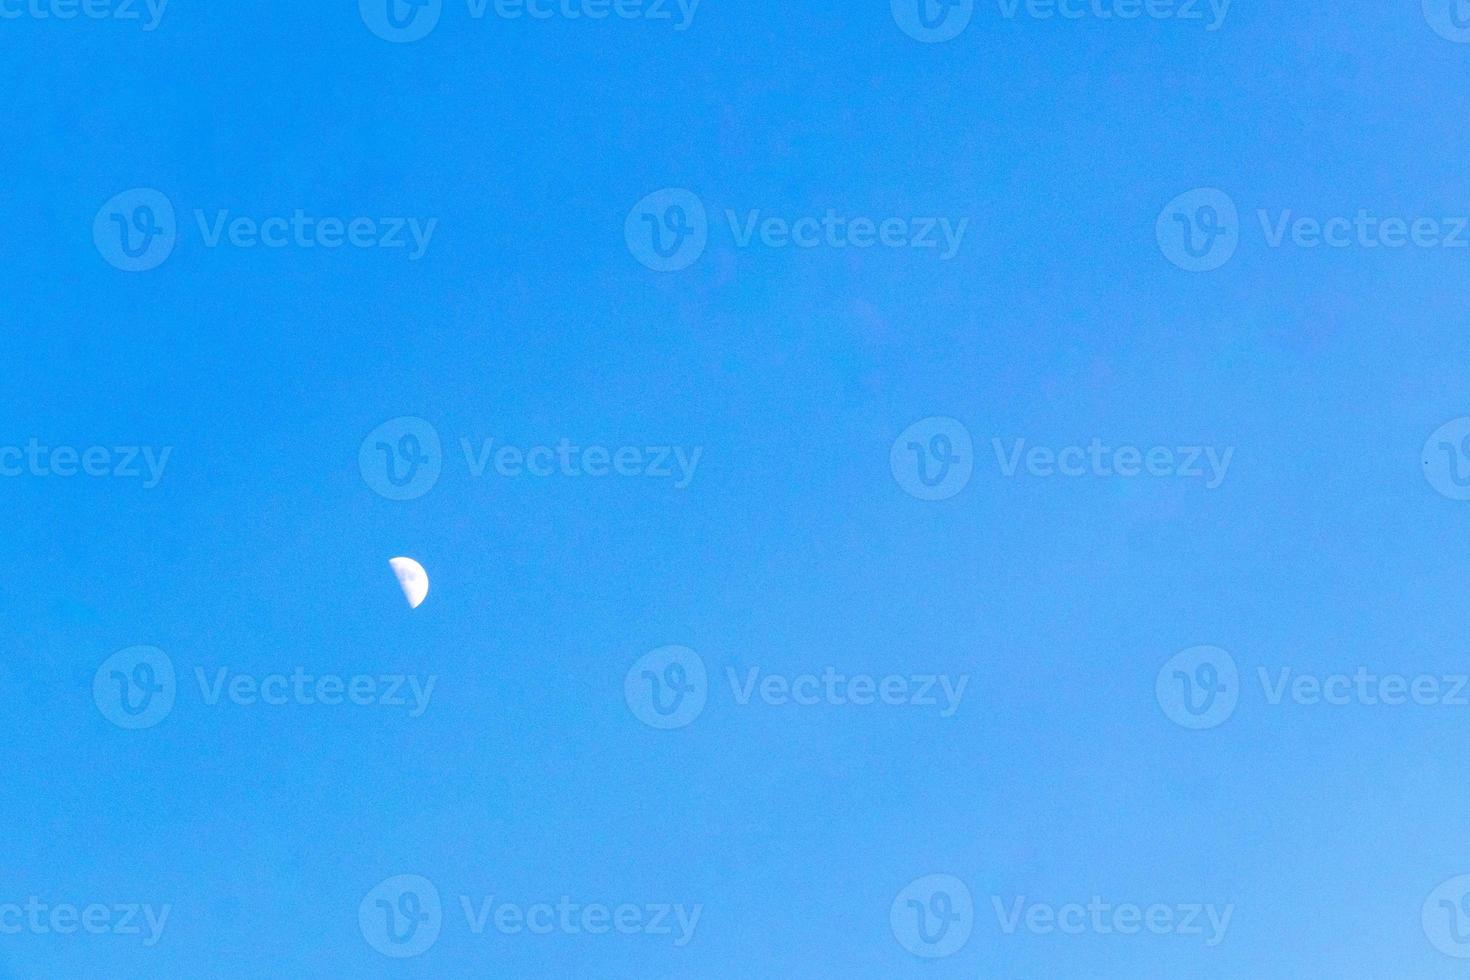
(528, 321)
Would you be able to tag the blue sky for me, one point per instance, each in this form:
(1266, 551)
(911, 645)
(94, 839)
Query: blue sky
(717, 628)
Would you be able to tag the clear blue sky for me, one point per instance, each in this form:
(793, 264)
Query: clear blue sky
(532, 317)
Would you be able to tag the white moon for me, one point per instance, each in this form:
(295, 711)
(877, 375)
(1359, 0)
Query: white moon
(412, 579)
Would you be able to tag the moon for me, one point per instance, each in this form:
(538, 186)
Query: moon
(412, 579)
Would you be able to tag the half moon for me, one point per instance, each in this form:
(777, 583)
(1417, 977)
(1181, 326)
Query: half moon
(412, 579)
